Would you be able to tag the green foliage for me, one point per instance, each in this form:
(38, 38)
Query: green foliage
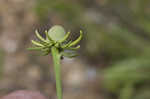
(123, 76)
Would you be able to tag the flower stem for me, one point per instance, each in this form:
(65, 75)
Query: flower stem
(56, 59)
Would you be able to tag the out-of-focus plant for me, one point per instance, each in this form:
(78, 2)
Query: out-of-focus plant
(56, 43)
(127, 77)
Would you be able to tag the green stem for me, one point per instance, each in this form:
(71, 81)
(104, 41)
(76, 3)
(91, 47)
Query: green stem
(56, 59)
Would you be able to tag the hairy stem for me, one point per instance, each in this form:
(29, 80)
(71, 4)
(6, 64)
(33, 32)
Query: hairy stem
(56, 59)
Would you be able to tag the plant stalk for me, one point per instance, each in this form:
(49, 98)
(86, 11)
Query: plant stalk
(56, 60)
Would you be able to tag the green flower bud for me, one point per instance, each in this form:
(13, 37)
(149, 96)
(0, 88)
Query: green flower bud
(57, 32)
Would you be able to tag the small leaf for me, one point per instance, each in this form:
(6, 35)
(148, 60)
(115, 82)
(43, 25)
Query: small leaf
(49, 45)
(48, 37)
(40, 37)
(65, 37)
(69, 54)
(45, 53)
(77, 40)
(37, 43)
(73, 48)
(66, 45)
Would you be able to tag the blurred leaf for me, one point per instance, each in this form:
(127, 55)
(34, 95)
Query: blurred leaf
(135, 70)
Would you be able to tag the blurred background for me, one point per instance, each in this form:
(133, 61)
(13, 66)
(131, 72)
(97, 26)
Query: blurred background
(114, 58)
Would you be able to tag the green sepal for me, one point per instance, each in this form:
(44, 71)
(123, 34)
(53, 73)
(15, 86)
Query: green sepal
(48, 37)
(49, 45)
(45, 49)
(37, 43)
(45, 53)
(65, 38)
(40, 37)
(66, 45)
(73, 48)
(69, 54)
(77, 40)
